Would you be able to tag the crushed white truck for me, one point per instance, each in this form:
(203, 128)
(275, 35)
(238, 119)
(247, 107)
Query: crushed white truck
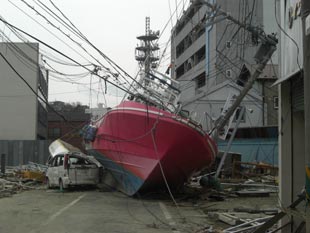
(68, 166)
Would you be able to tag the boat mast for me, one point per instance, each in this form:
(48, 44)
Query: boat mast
(147, 50)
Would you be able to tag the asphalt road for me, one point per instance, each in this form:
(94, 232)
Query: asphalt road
(91, 211)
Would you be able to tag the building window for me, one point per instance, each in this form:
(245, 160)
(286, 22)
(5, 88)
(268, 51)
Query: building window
(228, 44)
(187, 18)
(180, 71)
(228, 73)
(200, 80)
(180, 48)
(201, 54)
(275, 102)
(54, 133)
(238, 111)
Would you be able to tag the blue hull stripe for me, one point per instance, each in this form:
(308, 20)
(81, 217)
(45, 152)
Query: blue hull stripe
(130, 183)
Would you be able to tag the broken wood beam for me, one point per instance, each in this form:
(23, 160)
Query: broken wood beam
(280, 215)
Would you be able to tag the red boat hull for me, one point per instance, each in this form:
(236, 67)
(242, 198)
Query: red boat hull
(146, 148)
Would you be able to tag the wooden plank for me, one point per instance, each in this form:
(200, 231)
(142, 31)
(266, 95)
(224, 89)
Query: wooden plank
(253, 193)
(228, 218)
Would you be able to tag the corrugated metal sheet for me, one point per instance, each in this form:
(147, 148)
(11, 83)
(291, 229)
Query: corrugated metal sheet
(22, 152)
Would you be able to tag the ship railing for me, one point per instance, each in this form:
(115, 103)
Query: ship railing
(158, 92)
(162, 86)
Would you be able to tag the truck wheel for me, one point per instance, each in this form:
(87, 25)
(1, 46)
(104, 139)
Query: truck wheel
(48, 185)
(61, 185)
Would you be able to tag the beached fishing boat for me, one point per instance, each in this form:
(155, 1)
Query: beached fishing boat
(147, 142)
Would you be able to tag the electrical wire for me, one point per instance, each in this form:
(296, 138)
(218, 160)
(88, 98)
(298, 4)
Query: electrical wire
(62, 54)
(286, 34)
(109, 60)
(45, 18)
(69, 46)
(32, 90)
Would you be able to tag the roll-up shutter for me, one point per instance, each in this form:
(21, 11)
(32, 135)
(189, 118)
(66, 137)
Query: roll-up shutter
(297, 94)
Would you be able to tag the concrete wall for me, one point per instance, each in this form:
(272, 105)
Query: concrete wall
(17, 103)
(269, 92)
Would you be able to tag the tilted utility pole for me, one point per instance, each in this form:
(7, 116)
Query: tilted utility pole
(263, 55)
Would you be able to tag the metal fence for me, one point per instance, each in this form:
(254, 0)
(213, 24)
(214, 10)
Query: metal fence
(23, 151)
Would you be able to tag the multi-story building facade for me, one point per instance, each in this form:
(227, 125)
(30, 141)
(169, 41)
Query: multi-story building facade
(23, 113)
(211, 60)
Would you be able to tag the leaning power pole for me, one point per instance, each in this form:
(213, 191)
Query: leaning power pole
(263, 55)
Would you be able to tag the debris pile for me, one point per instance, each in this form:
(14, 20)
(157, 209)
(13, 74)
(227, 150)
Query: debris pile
(31, 171)
(8, 188)
(234, 204)
(20, 178)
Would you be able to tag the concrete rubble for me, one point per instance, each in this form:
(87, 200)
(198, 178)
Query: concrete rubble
(19, 178)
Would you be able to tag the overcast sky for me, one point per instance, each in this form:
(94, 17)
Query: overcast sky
(111, 25)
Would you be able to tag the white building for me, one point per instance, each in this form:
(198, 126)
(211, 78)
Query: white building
(211, 61)
(23, 114)
(293, 111)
